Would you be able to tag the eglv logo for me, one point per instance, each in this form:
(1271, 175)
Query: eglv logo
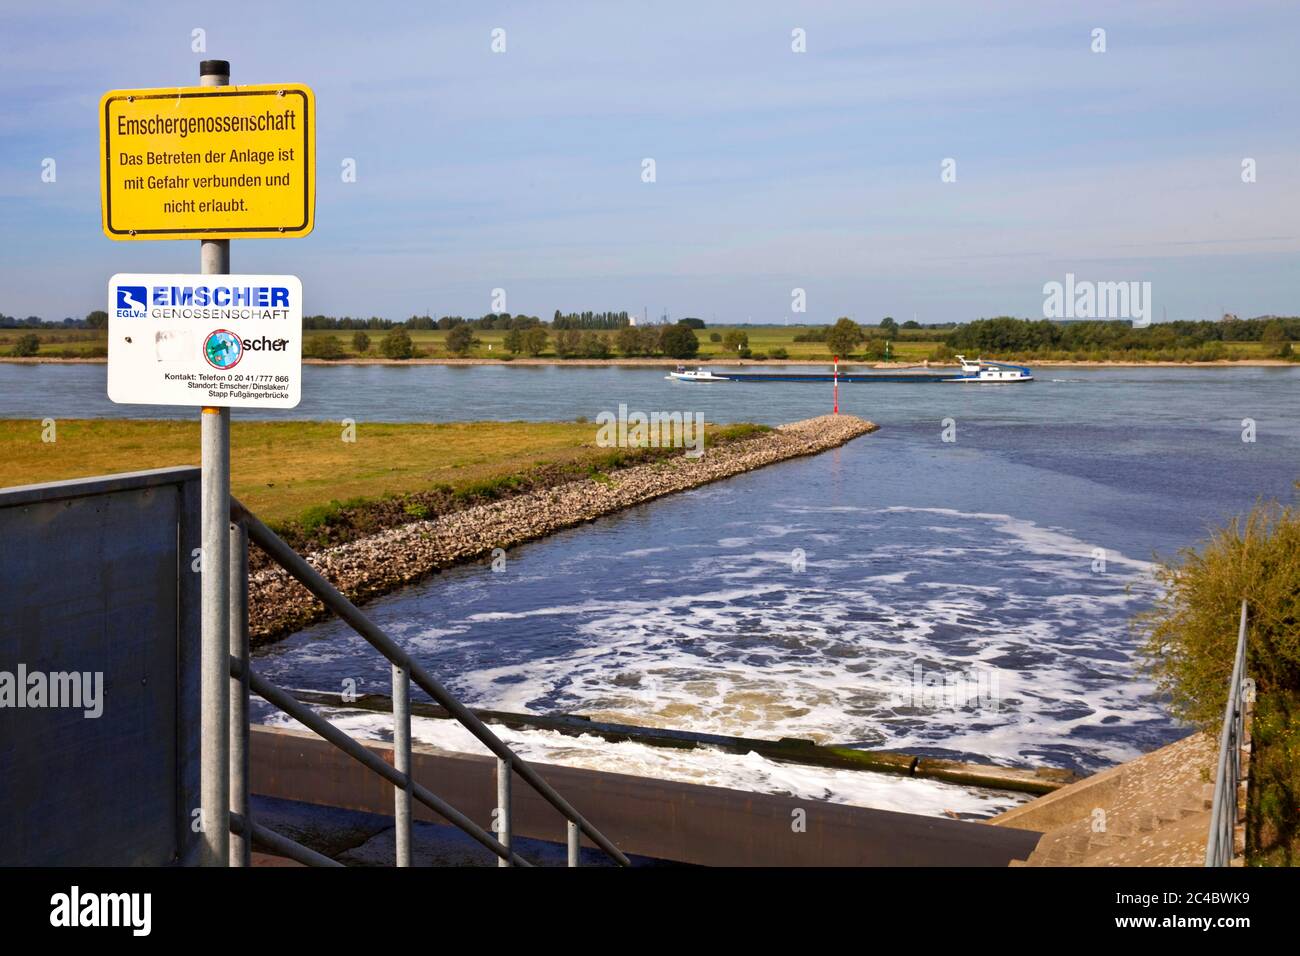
(223, 349)
(131, 301)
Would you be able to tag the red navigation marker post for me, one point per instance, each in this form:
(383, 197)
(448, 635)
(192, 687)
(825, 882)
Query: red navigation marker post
(837, 385)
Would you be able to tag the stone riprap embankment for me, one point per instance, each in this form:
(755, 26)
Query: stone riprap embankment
(385, 561)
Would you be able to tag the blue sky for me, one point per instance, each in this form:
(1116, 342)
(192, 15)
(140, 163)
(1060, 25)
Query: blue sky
(775, 170)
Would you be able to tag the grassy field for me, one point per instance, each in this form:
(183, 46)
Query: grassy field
(763, 340)
(282, 469)
(432, 344)
(70, 343)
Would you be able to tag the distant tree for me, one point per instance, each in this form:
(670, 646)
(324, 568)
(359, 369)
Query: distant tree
(97, 319)
(679, 341)
(397, 344)
(568, 343)
(461, 339)
(360, 342)
(514, 341)
(735, 340)
(889, 326)
(27, 345)
(692, 323)
(1274, 336)
(715, 337)
(844, 336)
(595, 345)
(630, 341)
(911, 324)
(326, 347)
(535, 341)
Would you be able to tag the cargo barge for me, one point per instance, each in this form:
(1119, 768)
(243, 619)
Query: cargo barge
(979, 371)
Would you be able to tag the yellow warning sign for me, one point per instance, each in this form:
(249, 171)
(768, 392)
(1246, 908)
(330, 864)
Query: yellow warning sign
(208, 162)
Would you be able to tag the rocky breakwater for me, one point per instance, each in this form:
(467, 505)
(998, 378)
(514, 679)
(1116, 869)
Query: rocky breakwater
(385, 561)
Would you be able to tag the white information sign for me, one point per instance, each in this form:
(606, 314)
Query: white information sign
(219, 340)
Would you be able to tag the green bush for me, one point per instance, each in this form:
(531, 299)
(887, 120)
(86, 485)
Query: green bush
(1191, 633)
(779, 353)
(595, 345)
(844, 336)
(460, 340)
(27, 345)
(535, 340)
(1190, 646)
(568, 343)
(678, 341)
(326, 347)
(736, 340)
(318, 517)
(397, 344)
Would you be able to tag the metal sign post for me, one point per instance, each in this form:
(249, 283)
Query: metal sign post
(837, 385)
(214, 782)
(212, 162)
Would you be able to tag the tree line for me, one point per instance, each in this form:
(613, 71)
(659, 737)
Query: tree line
(603, 334)
(1026, 337)
(589, 320)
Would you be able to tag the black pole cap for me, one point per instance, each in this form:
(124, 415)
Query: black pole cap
(214, 68)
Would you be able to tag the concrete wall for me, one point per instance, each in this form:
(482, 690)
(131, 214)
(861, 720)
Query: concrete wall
(664, 819)
(96, 578)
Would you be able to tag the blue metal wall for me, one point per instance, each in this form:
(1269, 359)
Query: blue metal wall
(96, 576)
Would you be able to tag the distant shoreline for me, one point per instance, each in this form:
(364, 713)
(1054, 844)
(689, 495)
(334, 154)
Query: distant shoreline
(729, 363)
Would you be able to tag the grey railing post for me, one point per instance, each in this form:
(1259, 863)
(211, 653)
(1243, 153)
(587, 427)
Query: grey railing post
(1220, 845)
(402, 763)
(573, 842)
(240, 843)
(503, 807)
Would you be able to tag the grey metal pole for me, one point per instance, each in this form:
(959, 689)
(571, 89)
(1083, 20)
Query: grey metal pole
(503, 807)
(402, 763)
(214, 652)
(240, 844)
(573, 842)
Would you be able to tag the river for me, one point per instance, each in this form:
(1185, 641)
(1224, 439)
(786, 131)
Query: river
(967, 598)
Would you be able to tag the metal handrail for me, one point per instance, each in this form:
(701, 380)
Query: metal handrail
(1220, 846)
(508, 763)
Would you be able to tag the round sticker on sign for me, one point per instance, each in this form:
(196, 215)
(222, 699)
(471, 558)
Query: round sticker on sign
(223, 349)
